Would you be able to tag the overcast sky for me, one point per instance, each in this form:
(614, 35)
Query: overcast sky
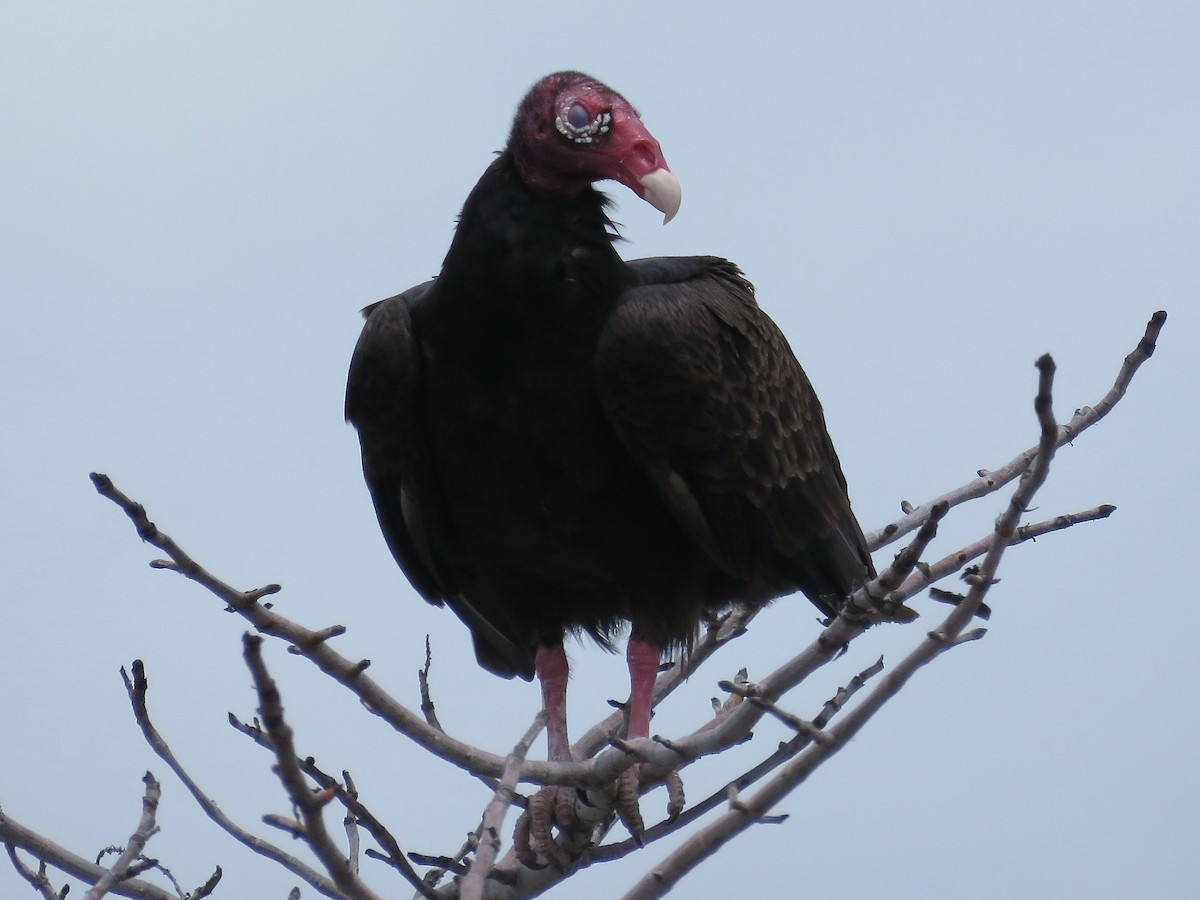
(197, 198)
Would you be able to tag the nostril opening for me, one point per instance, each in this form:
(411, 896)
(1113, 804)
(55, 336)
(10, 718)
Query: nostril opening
(644, 152)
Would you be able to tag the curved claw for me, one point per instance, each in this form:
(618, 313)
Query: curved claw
(628, 809)
(675, 798)
(521, 847)
(626, 804)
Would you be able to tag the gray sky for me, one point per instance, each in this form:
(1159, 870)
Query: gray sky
(198, 197)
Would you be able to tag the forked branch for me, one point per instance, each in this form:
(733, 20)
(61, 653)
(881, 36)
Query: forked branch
(989, 481)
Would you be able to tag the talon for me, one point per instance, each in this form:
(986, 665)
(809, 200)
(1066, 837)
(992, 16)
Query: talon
(626, 804)
(532, 836)
(564, 807)
(522, 849)
(629, 810)
(675, 798)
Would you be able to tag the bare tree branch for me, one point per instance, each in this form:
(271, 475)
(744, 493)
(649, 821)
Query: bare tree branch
(355, 808)
(712, 737)
(1058, 523)
(39, 879)
(427, 707)
(493, 817)
(137, 842)
(310, 805)
(600, 773)
(137, 687)
(43, 849)
(206, 889)
(442, 865)
(809, 730)
(989, 481)
(314, 646)
(928, 574)
(783, 753)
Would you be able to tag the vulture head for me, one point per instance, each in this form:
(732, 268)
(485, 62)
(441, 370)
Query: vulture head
(572, 130)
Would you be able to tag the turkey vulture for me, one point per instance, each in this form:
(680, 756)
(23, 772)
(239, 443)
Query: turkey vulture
(557, 441)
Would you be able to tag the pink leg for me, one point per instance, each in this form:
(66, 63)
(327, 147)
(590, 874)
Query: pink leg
(552, 804)
(643, 658)
(552, 670)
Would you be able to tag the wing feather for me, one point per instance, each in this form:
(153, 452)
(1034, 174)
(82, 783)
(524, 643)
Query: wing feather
(382, 404)
(704, 391)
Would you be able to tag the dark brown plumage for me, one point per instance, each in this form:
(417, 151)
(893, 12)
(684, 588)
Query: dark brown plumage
(558, 441)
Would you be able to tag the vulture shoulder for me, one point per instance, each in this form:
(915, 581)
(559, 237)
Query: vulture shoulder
(705, 393)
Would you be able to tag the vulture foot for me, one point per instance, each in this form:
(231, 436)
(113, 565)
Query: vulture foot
(552, 805)
(627, 808)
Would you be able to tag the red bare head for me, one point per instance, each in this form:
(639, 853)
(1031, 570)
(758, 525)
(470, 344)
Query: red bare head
(572, 130)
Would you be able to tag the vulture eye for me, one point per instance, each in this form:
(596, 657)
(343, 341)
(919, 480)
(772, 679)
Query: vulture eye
(577, 116)
(575, 123)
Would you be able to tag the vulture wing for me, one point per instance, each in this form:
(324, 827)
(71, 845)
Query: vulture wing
(703, 390)
(382, 404)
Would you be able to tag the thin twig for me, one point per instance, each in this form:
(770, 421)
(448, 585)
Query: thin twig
(810, 730)
(953, 562)
(206, 889)
(1058, 523)
(442, 865)
(427, 707)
